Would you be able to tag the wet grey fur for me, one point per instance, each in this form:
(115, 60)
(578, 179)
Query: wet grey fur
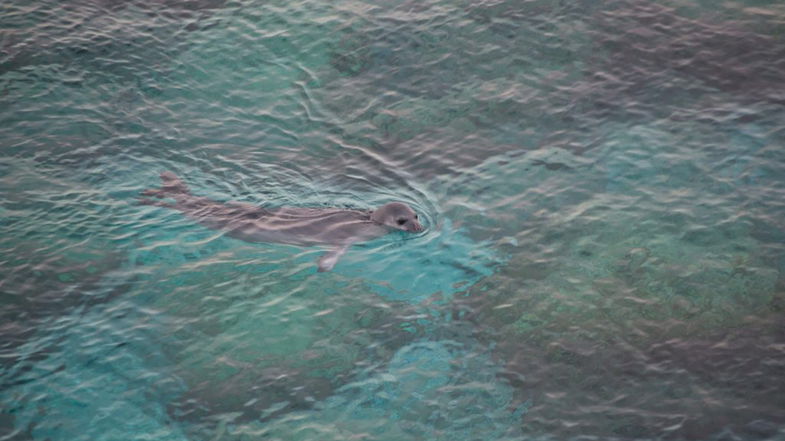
(290, 225)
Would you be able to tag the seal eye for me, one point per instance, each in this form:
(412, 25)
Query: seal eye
(401, 221)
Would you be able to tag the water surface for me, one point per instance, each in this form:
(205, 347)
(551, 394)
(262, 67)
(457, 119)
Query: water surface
(602, 184)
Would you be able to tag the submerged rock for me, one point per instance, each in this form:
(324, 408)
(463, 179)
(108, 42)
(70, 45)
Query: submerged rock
(257, 344)
(641, 326)
(52, 260)
(660, 246)
(436, 390)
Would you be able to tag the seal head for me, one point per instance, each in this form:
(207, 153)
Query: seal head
(397, 215)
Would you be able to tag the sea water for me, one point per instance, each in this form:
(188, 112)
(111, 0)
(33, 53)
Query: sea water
(602, 183)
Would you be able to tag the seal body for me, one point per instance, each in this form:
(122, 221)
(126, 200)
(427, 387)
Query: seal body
(290, 225)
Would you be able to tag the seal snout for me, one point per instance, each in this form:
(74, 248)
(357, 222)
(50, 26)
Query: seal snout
(416, 227)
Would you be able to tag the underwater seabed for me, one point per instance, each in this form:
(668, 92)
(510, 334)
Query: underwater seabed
(241, 331)
(441, 390)
(604, 256)
(94, 374)
(39, 225)
(649, 305)
(247, 362)
(266, 335)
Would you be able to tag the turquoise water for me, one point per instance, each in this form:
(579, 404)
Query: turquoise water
(603, 185)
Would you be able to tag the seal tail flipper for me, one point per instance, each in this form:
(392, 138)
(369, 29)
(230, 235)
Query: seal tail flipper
(171, 186)
(330, 258)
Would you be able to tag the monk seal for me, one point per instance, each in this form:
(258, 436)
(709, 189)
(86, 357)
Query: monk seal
(335, 227)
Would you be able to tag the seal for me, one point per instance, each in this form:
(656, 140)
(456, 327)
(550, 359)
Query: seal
(334, 227)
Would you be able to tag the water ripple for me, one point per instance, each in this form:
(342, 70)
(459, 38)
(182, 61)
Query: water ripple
(601, 184)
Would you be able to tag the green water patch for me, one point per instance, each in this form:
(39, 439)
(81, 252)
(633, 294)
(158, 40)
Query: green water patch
(437, 75)
(641, 236)
(436, 266)
(655, 252)
(626, 279)
(437, 389)
(187, 92)
(252, 69)
(98, 367)
(255, 332)
(270, 333)
(603, 207)
(53, 259)
(255, 337)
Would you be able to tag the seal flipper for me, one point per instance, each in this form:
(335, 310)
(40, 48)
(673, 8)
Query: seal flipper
(330, 258)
